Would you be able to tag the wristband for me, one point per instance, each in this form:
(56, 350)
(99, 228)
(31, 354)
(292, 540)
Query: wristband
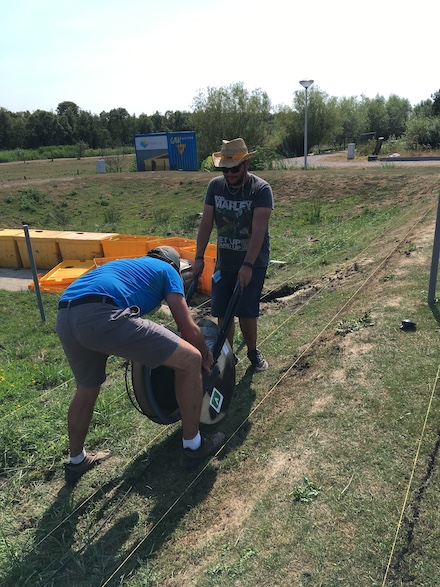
(199, 257)
(247, 264)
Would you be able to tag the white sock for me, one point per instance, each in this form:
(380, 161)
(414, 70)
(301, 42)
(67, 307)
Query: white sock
(78, 459)
(194, 443)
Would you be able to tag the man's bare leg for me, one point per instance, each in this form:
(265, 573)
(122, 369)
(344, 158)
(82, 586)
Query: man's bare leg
(248, 327)
(186, 361)
(79, 417)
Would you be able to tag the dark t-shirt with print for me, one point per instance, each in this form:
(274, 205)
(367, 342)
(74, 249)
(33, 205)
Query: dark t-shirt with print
(233, 218)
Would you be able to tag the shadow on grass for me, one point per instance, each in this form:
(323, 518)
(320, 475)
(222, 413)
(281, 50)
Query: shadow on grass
(435, 312)
(237, 426)
(150, 499)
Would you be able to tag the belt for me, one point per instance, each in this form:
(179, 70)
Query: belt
(93, 299)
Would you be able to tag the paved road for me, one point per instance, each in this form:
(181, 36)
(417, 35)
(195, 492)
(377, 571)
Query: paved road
(12, 279)
(340, 160)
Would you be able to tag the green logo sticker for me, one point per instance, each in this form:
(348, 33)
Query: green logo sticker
(216, 400)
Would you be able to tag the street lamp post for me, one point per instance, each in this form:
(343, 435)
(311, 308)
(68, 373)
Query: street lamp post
(306, 83)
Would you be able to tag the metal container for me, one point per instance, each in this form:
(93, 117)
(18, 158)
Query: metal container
(182, 150)
(166, 151)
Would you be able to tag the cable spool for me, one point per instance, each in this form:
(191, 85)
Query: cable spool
(154, 393)
(219, 384)
(154, 389)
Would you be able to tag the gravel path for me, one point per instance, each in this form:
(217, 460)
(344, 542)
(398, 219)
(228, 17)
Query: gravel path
(340, 160)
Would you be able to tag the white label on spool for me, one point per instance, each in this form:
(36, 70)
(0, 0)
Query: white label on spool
(216, 400)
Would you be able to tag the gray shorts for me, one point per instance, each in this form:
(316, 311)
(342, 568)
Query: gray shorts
(90, 333)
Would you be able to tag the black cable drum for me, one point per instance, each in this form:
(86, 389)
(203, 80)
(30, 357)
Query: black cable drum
(154, 389)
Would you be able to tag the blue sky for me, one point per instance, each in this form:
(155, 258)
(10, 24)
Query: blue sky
(150, 56)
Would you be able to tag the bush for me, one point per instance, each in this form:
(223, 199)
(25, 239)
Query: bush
(423, 132)
(30, 198)
(264, 159)
(207, 164)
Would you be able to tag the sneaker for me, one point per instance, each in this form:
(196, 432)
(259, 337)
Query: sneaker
(73, 472)
(257, 360)
(210, 445)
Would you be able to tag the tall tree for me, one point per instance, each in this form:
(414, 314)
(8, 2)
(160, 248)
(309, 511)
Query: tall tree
(230, 112)
(144, 125)
(288, 133)
(6, 129)
(19, 129)
(87, 129)
(436, 103)
(322, 116)
(424, 108)
(399, 110)
(68, 113)
(351, 122)
(159, 122)
(119, 124)
(376, 115)
(43, 129)
(178, 120)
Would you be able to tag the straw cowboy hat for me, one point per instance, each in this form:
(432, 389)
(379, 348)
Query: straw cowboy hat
(232, 153)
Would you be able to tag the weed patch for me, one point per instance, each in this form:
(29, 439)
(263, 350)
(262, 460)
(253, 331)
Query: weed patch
(305, 492)
(353, 324)
(30, 199)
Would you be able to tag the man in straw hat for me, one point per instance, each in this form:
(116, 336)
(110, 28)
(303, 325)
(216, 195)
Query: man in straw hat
(99, 315)
(240, 205)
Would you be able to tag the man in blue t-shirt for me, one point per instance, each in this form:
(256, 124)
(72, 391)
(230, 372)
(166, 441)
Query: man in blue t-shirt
(240, 205)
(99, 315)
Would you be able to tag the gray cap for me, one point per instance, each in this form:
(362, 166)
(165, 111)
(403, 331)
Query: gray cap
(167, 254)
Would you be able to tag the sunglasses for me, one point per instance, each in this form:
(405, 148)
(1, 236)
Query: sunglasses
(235, 169)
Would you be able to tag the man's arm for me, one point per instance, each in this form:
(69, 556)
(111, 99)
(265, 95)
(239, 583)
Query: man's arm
(205, 228)
(203, 235)
(188, 328)
(260, 222)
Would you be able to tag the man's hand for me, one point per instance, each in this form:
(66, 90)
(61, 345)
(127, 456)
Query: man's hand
(207, 361)
(188, 328)
(244, 276)
(197, 267)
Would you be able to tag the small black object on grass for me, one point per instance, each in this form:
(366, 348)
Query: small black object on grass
(408, 325)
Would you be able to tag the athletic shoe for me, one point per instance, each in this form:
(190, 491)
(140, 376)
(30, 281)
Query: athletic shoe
(73, 472)
(211, 443)
(257, 360)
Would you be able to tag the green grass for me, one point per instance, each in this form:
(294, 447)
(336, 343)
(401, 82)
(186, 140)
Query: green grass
(57, 152)
(321, 447)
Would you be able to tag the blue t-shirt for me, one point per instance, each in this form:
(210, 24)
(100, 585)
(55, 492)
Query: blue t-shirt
(142, 282)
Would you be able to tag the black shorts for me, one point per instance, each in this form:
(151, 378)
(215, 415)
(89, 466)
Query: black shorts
(249, 304)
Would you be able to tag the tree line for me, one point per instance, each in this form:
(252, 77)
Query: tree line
(231, 111)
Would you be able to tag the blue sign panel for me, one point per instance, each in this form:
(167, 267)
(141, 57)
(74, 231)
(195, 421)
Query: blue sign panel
(166, 151)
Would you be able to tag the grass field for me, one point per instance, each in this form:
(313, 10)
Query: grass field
(330, 474)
